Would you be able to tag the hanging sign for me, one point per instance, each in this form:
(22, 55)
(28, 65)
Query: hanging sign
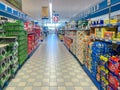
(45, 12)
(56, 17)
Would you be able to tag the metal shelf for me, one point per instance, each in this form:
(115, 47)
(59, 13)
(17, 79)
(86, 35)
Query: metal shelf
(106, 40)
(3, 45)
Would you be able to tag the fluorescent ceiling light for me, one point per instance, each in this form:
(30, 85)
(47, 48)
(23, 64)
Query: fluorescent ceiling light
(50, 7)
(53, 28)
(52, 25)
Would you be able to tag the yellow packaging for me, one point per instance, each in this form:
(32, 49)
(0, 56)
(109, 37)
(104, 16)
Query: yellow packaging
(98, 32)
(102, 31)
(118, 35)
(104, 58)
(113, 21)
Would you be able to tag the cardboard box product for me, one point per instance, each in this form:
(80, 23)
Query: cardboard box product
(109, 35)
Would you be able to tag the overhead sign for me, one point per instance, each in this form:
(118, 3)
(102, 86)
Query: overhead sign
(56, 17)
(45, 12)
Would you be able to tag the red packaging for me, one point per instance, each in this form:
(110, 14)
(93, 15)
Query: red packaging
(114, 65)
(113, 80)
(110, 88)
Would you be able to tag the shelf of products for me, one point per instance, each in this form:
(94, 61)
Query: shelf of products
(8, 59)
(17, 29)
(34, 33)
(81, 45)
(14, 47)
(78, 39)
(98, 50)
(69, 38)
(107, 46)
(60, 34)
(107, 34)
(14, 42)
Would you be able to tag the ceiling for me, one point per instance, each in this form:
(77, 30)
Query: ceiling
(65, 8)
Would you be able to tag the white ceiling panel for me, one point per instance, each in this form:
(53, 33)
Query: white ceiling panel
(69, 8)
(33, 7)
(65, 8)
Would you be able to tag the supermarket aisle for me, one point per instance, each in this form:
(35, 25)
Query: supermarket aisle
(51, 67)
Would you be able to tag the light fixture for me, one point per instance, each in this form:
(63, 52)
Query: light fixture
(50, 7)
(52, 25)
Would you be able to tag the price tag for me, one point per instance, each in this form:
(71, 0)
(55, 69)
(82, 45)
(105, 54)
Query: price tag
(114, 42)
(106, 40)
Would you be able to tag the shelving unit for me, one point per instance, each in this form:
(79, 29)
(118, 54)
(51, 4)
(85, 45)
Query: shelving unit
(97, 50)
(107, 81)
(69, 38)
(17, 30)
(14, 42)
(33, 36)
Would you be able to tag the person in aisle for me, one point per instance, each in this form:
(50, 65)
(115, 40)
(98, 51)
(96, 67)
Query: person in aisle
(45, 33)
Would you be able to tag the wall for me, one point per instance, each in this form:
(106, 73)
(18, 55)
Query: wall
(9, 4)
(106, 16)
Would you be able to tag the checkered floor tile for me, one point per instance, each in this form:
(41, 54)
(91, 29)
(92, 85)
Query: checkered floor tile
(51, 67)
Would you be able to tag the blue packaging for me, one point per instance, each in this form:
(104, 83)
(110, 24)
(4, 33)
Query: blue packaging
(101, 22)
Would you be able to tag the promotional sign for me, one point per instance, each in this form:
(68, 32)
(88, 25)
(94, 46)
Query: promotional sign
(16, 3)
(56, 17)
(45, 12)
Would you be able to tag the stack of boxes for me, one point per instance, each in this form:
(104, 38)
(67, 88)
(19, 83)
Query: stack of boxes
(17, 29)
(69, 38)
(68, 42)
(33, 36)
(37, 35)
(73, 45)
(87, 53)
(31, 42)
(80, 46)
(97, 50)
(100, 54)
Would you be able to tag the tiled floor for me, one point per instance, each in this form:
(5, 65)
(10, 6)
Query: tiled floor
(51, 67)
